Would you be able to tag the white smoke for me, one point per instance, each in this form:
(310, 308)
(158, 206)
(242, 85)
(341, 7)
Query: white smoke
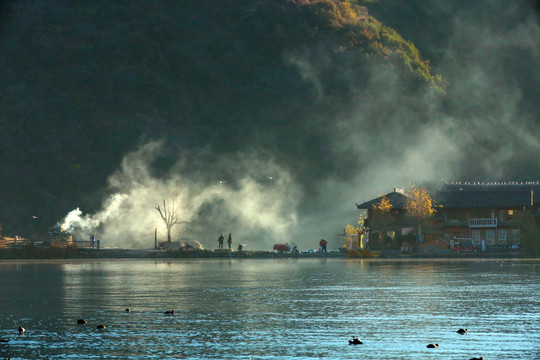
(256, 211)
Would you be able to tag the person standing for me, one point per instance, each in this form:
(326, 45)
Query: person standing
(322, 244)
(220, 241)
(229, 240)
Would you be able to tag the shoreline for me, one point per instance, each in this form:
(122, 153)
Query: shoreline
(89, 254)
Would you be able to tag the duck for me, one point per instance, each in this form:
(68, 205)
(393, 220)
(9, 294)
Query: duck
(82, 321)
(171, 312)
(101, 327)
(462, 331)
(433, 346)
(127, 310)
(4, 340)
(475, 358)
(355, 341)
(21, 330)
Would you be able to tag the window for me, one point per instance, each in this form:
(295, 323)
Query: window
(501, 236)
(510, 212)
(516, 236)
(476, 237)
(490, 237)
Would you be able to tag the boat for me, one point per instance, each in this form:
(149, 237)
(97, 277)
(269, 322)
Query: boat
(356, 240)
(363, 253)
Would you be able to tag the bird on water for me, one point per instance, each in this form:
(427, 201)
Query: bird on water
(432, 346)
(462, 331)
(21, 330)
(355, 341)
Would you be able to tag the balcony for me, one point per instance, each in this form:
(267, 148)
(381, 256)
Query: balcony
(483, 223)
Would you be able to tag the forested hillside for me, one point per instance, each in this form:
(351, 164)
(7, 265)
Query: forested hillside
(321, 88)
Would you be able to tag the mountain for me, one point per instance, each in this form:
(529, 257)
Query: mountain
(321, 90)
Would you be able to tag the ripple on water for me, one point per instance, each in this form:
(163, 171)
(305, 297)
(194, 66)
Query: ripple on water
(270, 310)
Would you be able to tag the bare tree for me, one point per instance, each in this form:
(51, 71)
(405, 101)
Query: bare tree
(170, 215)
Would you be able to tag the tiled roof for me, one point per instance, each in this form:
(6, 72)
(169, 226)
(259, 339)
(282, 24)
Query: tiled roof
(473, 196)
(469, 186)
(397, 199)
(482, 199)
(488, 195)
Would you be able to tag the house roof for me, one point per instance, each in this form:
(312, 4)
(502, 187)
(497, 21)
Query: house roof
(490, 195)
(397, 198)
(472, 196)
(482, 199)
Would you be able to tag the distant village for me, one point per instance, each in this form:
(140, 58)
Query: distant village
(460, 217)
(465, 217)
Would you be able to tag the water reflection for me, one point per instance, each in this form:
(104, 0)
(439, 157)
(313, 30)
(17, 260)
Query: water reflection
(286, 308)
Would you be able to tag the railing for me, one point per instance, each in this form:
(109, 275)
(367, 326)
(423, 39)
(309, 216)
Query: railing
(14, 242)
(88, 244)
(482, 223)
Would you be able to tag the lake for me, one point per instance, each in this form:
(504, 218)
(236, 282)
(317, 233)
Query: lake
(270, 309)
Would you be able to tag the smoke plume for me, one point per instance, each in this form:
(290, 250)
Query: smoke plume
(257, 207)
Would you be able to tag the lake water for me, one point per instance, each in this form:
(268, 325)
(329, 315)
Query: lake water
(270, 309)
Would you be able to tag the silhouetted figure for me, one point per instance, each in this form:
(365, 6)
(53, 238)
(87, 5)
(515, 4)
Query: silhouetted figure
(462, 331)
(229, 240)
(220, 241)
(92, 240)
(21, 330)
(82, 321)
(355, 341)
(127, 310)
(322, 245)
(432, 346)
(240, 247)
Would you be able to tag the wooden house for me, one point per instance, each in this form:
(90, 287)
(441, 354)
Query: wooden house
(385, 227)
(469, 216)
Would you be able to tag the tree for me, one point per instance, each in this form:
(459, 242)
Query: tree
(355, 234)
(170, 215)
(419, 205)
(383, 206)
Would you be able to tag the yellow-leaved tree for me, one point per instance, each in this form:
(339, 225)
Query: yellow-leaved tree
(419, 205)
(383, 206)
(355, 234)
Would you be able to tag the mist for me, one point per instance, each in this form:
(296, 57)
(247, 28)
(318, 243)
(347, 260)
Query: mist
(268, 142)
(255, 207)
(387, 136)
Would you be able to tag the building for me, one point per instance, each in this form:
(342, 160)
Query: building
(469, 216)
